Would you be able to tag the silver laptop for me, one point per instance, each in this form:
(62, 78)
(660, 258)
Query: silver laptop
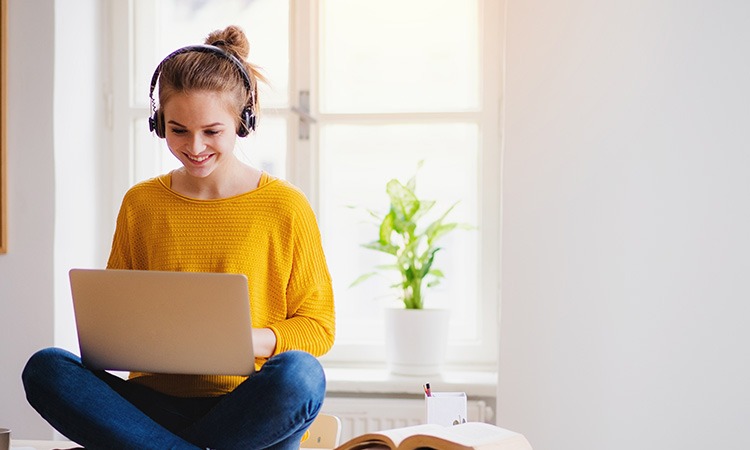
(163, 322)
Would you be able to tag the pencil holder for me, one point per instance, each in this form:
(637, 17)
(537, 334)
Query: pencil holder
(446, 408)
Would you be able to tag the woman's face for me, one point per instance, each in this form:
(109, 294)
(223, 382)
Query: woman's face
(201, 131)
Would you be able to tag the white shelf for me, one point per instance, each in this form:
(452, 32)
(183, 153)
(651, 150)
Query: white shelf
(363, 381)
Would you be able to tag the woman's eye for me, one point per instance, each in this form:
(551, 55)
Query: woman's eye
(212, 132)
(178, 131)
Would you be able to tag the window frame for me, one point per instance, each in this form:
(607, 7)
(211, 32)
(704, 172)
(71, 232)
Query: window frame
(303, 155)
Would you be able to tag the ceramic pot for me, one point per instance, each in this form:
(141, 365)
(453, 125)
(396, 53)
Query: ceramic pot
(416, 340)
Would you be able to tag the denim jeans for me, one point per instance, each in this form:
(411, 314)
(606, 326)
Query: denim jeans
(271, 409)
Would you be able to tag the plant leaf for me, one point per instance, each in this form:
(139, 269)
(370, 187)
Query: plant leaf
(375, 215)
(424, 207)
(386, 228)
(430, 258)
(387, 248)
(362, 278)
(403, 200)
(439, 231)
(412, 183)
(433, 283)
(437, 273)
(432, 228)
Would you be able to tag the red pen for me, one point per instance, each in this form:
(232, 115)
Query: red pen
(427, 390)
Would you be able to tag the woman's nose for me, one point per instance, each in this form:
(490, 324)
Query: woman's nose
(196, 144)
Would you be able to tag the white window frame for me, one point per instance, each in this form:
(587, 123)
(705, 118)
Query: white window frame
(302, 157)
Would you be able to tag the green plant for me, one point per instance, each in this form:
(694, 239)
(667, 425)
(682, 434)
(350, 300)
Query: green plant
(413, 247)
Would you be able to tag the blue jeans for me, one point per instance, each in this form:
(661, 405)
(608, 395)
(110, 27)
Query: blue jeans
(271, 409)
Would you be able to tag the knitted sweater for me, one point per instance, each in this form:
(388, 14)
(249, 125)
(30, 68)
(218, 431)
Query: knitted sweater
(269, 234)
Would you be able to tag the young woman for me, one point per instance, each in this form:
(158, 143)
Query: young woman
(214, 214)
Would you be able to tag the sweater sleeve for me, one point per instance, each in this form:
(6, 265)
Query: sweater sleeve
(310, 323)
(119, 255)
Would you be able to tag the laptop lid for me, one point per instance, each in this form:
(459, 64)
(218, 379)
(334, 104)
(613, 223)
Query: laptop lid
(163, 322)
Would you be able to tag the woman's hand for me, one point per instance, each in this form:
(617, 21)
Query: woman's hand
(264, 342)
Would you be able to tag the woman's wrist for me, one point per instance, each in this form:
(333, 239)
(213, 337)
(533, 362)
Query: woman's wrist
(264, 342)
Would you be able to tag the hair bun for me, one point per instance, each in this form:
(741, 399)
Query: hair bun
(231, 39)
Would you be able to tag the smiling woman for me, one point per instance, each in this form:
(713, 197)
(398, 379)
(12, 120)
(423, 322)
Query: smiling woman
(212, 214)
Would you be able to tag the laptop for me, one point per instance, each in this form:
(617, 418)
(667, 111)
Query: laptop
(163, 322)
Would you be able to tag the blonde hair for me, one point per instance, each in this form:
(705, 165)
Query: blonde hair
(202, 71)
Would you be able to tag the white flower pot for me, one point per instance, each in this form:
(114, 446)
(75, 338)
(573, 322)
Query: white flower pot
(416, 340)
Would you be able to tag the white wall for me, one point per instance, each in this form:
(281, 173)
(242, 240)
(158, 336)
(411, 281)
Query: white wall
(54, 146)
(626, 225)
(26, 271)
(80, 156)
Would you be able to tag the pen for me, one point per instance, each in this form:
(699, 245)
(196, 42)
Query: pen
(427, 390)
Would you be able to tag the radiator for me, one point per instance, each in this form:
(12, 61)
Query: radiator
(360, 415)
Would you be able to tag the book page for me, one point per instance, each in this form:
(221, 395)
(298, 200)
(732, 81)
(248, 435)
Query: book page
(397, 435)
(387, 438)
(470, 435)
(366, 445)
(476, 435)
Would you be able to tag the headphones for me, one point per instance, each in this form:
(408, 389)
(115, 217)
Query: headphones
(247, 116)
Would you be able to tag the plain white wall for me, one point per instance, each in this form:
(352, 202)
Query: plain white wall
(80, 156)
(626, 225)
(55, 123)
(26, 271)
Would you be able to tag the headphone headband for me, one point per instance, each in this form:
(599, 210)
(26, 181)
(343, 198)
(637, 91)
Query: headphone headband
(247, 116)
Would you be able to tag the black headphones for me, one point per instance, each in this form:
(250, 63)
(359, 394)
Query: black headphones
(247, 116)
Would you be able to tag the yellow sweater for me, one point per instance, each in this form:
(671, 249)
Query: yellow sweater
(269, 234)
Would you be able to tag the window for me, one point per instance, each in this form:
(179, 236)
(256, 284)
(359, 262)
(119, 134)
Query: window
(360, 92)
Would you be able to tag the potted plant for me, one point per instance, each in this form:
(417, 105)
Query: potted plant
(416, 337)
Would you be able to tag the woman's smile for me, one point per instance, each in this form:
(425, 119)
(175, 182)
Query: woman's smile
(198, 159)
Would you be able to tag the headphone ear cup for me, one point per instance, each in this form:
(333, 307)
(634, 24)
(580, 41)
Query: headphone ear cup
(156, 124)
(247, 122)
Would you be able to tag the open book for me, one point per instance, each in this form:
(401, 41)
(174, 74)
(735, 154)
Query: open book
(466, 436)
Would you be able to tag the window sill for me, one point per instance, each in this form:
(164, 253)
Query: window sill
(380, 382)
